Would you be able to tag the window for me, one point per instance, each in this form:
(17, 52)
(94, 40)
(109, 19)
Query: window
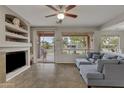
(75, 43)
(110, 43)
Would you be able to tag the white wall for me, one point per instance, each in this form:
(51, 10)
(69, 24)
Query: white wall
(96, 39)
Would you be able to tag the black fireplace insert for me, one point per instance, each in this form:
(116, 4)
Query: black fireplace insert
(15, 60)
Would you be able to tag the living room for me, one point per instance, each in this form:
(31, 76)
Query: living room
(90, 29)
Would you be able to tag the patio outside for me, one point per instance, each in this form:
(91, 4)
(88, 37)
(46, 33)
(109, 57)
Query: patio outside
(47, 47)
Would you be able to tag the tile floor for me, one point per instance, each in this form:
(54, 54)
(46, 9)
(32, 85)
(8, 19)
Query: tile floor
(48, 75)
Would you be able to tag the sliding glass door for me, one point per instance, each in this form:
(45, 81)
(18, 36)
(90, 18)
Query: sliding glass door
(46, 47)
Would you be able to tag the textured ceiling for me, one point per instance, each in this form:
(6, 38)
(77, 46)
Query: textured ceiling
(88, 15)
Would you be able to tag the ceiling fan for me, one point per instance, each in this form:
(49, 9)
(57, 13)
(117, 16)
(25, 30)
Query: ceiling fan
(61, 12)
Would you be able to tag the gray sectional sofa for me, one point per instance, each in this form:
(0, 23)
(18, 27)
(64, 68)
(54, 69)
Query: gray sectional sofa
(106, 72)
(90, 58)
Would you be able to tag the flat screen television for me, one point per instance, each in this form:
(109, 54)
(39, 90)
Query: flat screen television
(15, 60)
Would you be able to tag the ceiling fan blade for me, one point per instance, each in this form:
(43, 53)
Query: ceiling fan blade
(51, 15)
(70, 7)
(53, 8)
(70, 15)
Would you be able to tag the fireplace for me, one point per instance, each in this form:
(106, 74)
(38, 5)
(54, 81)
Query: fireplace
(15, 60)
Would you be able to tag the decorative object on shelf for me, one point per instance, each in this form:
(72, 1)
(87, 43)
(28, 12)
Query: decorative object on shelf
(16, 22)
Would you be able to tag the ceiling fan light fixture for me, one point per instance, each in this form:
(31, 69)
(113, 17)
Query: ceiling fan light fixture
(60, 16)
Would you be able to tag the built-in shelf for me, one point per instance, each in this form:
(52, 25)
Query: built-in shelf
(10, 19)
(14, 28)
(15, 33)
(12, 35)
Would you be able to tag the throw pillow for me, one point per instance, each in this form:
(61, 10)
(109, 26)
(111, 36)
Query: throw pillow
(96, 56)
(89, 55)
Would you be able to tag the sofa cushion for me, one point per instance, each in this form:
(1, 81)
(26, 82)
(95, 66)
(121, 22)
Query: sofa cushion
(81, 61)
(101, 63)
(109, 56)
(85, 69)
(95, 76)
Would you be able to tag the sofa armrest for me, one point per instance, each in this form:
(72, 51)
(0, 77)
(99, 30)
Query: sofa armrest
(113, 71)
(95, 76)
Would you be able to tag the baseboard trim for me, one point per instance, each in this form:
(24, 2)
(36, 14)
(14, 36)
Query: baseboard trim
(64, 62)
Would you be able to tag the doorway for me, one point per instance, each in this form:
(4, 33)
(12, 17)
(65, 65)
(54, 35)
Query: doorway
(46, 47)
